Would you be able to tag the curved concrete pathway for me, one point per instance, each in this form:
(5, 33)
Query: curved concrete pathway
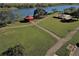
(52, 34)
(61, 42)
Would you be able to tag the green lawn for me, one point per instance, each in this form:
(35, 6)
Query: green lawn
(54, 25)
(34, 40)
(63, 50)
(17, 24)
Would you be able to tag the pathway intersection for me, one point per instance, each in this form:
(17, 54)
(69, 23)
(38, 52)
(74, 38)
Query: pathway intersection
(60, 41)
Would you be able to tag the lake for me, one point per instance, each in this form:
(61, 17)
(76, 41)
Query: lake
(29, 11)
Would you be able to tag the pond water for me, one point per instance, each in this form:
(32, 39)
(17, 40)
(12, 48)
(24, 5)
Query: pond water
(30, 11)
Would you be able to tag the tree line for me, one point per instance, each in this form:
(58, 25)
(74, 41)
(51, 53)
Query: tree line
(73, 12)
(26, 5)
(7, 16)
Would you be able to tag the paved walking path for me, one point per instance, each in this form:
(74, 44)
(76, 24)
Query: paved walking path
(61, 42)
(52, 34)
(15, 26)
(21, 25)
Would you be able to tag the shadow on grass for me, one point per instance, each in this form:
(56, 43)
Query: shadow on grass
(68, 21)
(23, 21)
(17, 50)
(64, 20)
(57, 17)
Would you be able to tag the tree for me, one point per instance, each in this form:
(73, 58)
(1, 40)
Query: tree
(3, 16)
(17, 50)
(76, 14)
(7, 16)
(39, 12)
(69, 10)
(73, 12)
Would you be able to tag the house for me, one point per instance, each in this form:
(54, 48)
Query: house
(65, 16)
(62, 16)
(28, 18)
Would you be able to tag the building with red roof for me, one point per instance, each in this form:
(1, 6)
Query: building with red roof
(28, 18)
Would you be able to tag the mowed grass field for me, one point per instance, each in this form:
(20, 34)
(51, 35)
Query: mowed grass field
(34, 40)
(63, 51)
(17, 24)
(56, 26)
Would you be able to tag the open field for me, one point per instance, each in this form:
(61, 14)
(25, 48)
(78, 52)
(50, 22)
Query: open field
(54, 25)
(34, 40)
(38, 29)
(63, 51)
(17, 24)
